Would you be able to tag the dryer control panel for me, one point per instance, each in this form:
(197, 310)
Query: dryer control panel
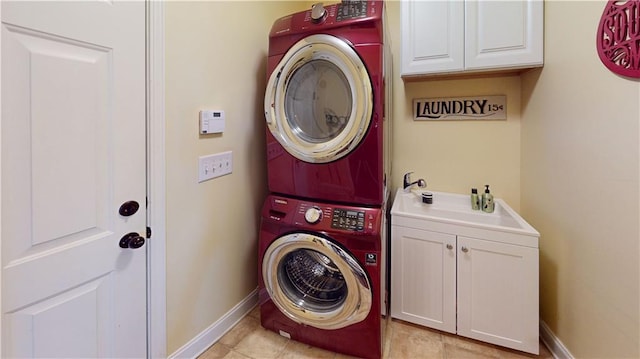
(319, 17)
(351, 10)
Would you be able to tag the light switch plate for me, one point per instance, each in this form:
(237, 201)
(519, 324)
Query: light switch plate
(216, 165)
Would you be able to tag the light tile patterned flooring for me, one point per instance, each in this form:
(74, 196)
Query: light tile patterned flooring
(248, 340)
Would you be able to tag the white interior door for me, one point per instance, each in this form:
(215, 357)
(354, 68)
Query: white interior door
(73, 151)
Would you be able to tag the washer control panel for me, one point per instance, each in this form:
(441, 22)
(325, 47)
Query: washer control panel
(323, 216)
(347, 219)
(313, 215)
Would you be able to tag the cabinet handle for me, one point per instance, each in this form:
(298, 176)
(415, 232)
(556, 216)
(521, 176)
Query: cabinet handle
(465, 249)
(449, 246)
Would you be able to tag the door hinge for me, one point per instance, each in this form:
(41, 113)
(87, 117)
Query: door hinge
(148, 232)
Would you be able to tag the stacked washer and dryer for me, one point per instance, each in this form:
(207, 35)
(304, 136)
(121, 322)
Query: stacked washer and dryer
(323, 233)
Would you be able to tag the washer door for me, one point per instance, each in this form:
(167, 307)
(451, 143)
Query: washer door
(315, 282)
(319, 99)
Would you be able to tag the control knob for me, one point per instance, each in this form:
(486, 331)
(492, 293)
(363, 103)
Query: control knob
(313, 215)
(318, 13)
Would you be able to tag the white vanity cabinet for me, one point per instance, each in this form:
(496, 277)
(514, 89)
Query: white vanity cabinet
(497, 297)
(449, 37)
(423, 277)
(474, 274)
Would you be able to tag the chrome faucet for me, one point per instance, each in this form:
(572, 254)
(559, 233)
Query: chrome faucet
(407, 182)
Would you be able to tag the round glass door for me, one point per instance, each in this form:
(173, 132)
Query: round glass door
(319, 99)
(315, 282)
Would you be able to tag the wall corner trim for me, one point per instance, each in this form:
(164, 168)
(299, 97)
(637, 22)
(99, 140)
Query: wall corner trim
(215, 331)
(556, 347)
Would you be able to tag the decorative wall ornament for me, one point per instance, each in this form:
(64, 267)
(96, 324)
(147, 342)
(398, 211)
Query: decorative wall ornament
(618, 37)
(460, 108)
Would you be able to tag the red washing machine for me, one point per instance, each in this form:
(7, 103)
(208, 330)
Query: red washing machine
(322, 274)
(327, 125)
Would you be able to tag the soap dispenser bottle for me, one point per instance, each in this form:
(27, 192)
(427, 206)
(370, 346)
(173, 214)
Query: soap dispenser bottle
(487, 200)
(475, 199)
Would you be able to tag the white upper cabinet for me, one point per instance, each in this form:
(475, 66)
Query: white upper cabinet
(432, 36)
(440, 37)
(503, 34)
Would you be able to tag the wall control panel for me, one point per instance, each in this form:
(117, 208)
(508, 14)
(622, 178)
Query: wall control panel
(211, 122)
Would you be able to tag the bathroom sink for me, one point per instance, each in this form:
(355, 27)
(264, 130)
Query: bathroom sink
(456, 209)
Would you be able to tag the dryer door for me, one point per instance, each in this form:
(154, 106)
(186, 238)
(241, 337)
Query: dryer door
(319, 99)
(315, 282)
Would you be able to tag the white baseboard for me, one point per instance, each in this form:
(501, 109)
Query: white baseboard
(556, 347)
(212, 334)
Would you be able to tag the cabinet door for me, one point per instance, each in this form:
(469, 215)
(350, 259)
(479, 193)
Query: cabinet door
(498, 293)
(432, 37)
(503, 34)
(423, 282)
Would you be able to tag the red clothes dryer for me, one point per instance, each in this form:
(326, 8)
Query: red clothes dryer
(322, 277)
(327, 125)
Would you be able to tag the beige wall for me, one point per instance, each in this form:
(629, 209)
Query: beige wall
(215, 59)
(567, 157)
(580, 166)
(455, 156)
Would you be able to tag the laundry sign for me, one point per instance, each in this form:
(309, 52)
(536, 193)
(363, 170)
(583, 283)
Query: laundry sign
(460, 108)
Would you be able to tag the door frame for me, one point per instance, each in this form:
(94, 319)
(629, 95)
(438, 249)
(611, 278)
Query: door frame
(156, 183)
(155, 120)
(0, 187)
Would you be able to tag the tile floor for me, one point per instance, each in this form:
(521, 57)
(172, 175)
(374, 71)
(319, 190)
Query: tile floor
(248, 340)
